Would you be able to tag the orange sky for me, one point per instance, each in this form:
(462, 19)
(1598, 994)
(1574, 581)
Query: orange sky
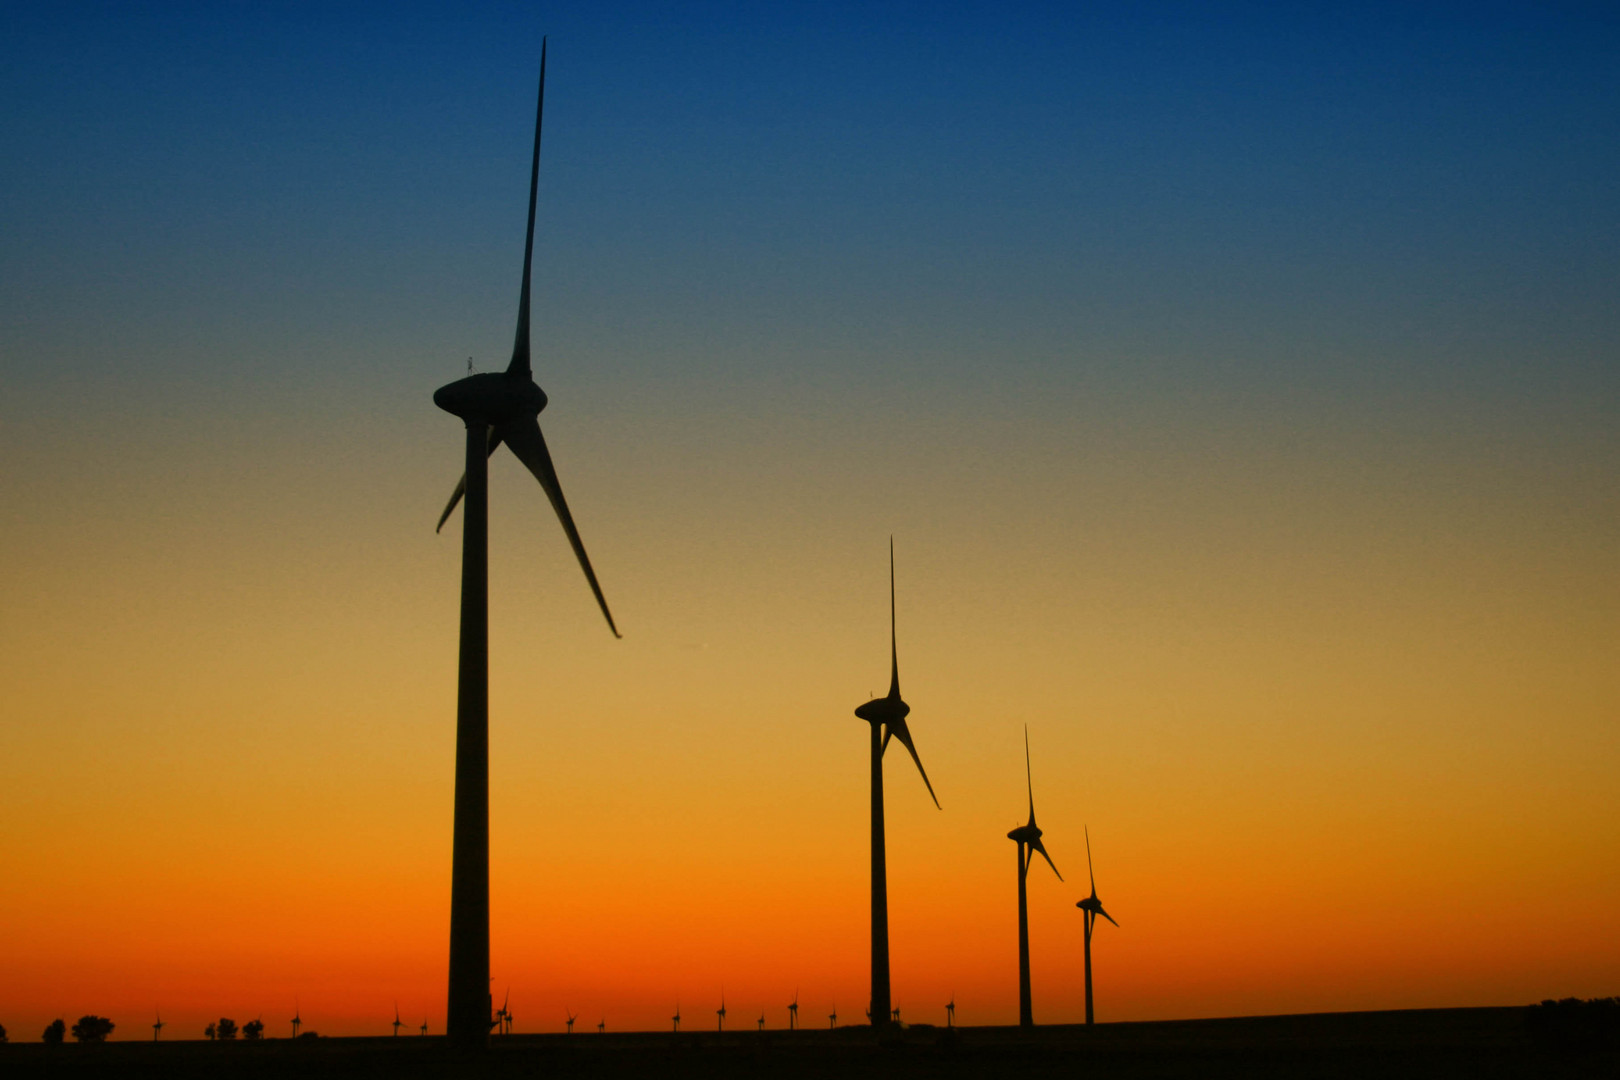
(1342, 729)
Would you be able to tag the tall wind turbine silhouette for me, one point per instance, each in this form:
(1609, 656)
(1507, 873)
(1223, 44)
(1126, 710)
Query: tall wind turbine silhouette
(157, 1027)
(1092, 908)
(423, 1029)
(398, 1023)
(497, 407)
(720, 1013)
(793, 1012)
(887, 717)
(1028, 837)
(950, 1011)
(571, 1019)
(832, 1018)
(297, 1022)
(676, 1019)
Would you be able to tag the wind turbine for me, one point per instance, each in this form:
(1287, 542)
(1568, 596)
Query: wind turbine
(297, 1022)
(157, 1027)
(761, 1020)
(793, 1012)
(887, 717)
(897, 1014)
(503, 1019)
(832, 1018)
(677, 1017)
(571, 1019)
(398, 1023)
(950, 1011)
(721, 1012)
(497, 407)
(601, 1025)
(1028, 837)
(1092, 908)
(423, 1030)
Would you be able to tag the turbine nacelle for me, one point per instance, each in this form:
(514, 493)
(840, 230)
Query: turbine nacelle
(1026, 834)
(888, 711)
(494, 397)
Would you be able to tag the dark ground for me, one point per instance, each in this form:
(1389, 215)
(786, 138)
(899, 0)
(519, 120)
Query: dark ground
(1474, 1043)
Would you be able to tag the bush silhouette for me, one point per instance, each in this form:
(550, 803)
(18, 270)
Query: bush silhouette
(209, 1032)
(253, 1029)
(93, 1029)
(2, 1033)
(226, 1028)
(54, 1033)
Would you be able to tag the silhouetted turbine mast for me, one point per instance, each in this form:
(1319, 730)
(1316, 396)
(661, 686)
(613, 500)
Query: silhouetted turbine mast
(497, 407)
(1028, 837)
(887, 717)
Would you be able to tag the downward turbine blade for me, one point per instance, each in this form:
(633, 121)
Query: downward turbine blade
(520, 346)
(530, 446)
(1040, 847)
(898, 729)
(1105, 914)
(461, 485)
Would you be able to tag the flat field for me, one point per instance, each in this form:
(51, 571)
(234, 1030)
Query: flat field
(1472, 1043)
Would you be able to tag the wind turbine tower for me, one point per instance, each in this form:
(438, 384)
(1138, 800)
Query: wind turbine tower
(1028, 837)
(157, 1027)
(398, 1023)
(676, 1019)
(1092, 907)
(571, 1019)
(720, 1013)
(497, 407)
(297, 1022)
(887, 717)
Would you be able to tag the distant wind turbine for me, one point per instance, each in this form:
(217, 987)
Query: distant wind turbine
(761, 1019)
(497, 407)
(720, 1013)
(297, 1022)
(398, 1023)
(887, 717)
(677, 1017)
(950, 1011)
(423, 1030)
(601, 1025)
(571, 1019)
(1028, 837)
(793, 1012)
(157, 1027)
(1092, 908)
(832, 1018)
(504, 1017)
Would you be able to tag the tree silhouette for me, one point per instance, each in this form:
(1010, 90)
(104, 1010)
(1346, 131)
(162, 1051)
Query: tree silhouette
(2, 1033)
(209, 1032)
(227, 1028)
(54, 1033)
(93, 1029)
(253, 1029)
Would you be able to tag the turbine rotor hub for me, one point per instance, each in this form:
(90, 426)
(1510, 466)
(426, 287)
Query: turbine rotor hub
(493, 397)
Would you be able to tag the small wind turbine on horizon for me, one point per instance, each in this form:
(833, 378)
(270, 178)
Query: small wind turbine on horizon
(398, 1023)
(497, 407)
(720, 1013)
(297, 1021)
(601, 1025)
(1028, 837)
(793, 1012)
(761, 1019)
(677, 1017)
(503, 1018)
(887, 717)
(950, 1011)
(571, 1019)
(157, 1027)
(423, 1030)
(1092, 908)
(832, 1018)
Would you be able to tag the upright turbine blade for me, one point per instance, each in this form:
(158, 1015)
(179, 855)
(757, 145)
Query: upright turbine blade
(897, 729)
(1028, 779)
(1089, 871)
(461, 485)
(520, 347)
(524, 437)
(894, 649)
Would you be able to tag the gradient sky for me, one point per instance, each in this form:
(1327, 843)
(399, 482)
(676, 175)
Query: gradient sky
(1240, 390)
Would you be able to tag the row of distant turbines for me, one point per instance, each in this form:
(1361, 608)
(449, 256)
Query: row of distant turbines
(504, 407)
